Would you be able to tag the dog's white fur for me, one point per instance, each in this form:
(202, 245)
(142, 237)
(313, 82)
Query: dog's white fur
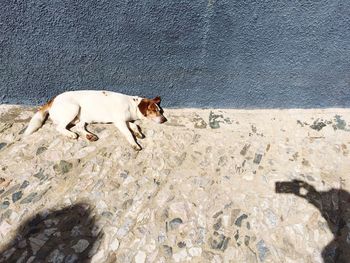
(89, 106)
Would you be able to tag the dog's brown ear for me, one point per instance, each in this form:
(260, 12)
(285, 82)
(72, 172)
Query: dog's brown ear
(157, 100)
(143, 106)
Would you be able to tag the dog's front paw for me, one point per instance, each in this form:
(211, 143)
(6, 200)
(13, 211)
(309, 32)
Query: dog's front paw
(137, 147)
(139, 135)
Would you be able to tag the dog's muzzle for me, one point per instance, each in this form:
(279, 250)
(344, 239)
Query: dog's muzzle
(160, 119)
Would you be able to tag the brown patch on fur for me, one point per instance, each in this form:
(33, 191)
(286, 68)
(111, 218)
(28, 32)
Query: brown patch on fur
(104, 93)
(157, 100)
(91, 137)
(149, 108)
(47, 106)
(143, 106)
(153, 110)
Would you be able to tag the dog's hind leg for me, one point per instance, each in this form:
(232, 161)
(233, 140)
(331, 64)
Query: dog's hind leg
(81, 127)
(64, 114)
(124, 129)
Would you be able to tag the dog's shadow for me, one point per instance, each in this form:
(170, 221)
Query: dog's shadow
(334, 206)
(65, 235)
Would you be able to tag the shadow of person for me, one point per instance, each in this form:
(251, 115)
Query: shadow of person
(334, 206)
(65, 235)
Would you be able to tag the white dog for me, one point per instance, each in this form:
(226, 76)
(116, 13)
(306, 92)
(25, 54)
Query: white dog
(88, 106)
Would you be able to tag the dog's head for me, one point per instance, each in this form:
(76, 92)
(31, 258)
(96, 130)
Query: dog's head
(150, 108)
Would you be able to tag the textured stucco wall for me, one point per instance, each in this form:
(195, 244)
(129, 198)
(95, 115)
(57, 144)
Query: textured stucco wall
(228, 53)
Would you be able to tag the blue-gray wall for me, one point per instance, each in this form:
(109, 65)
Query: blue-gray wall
(215, 53)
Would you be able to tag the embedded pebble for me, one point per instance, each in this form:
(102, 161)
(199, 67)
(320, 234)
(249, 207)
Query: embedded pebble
(257, 158)
(239, 220)
(80, 246)
(140, 257)
(175, 223)
(263, 250)
(40, 175)
(63, 167)
(72, 258)
(167, 250)
(2, 145)
(37, 243)
(181, 244)
(29, 198)
(41, 150)
(195, 251)
(180, 256)
(16, 196)
(4, 205)
(114, 245)
(56, 256)
(24, 184)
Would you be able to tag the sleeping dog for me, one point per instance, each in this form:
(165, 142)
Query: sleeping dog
(88, 106)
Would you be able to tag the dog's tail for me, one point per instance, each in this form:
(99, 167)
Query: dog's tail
(39, 117)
